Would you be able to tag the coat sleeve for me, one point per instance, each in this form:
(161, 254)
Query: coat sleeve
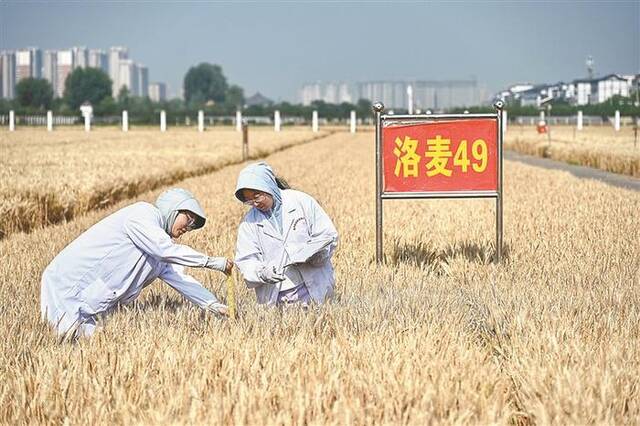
(149, 237)
(321, 227)
(187, 286)
(249, 258)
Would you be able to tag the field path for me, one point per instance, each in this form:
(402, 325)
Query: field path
(614, 179)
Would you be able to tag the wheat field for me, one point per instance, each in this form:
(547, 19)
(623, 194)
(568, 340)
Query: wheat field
(437, 335)
(600, 147)
(51, 177)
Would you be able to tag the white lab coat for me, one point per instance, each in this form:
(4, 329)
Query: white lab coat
(110, 264)
(260, 243)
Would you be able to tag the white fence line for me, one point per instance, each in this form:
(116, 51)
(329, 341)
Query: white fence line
(40, 120)
(587, 120)
(117, 120)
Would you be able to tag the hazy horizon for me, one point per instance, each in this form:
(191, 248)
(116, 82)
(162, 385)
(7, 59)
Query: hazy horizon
(275, 47)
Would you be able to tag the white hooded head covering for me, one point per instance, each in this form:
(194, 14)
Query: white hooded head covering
(260, 176)
(172, 201)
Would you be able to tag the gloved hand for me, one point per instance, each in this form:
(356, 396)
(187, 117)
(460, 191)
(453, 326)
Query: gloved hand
(221, 264)
(218, 308)
(271, 274)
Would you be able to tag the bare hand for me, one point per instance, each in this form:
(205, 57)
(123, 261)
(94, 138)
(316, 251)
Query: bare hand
(228, 267)
(222, 311)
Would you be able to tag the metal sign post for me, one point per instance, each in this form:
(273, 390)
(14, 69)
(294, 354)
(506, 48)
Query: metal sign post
(245, 140)
(549, 125)
(378, 108)
(438, 156)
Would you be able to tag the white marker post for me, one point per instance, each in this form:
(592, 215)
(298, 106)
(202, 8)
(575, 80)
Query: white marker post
(579, 121)
(314, 122)
(163, 121)
(125, 121)
(49, 121)
(504, 122)
(276, 121)
(238, 121)
(353, 122)
(616, 121)
(87, 111)
(200, 121)
(12, 121)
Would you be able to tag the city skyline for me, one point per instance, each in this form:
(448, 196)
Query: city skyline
(55, 65)
(275, 48)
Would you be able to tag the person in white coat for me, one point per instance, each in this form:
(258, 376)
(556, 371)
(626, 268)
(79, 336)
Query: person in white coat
(285, 242)
(112, 261)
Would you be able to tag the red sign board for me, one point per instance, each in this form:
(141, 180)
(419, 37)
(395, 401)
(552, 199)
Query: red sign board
(441, 156)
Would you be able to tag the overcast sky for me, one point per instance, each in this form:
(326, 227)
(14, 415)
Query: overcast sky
(275, 47)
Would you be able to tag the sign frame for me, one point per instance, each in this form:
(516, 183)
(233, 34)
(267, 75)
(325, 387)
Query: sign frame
(381, 195)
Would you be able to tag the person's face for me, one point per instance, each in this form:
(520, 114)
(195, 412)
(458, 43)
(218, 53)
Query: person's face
(258, 199)
(184, 223)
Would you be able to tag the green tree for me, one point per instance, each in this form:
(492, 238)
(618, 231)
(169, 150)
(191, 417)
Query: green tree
(107, 106)
(124, 98)
(86, 84)
(5, 106)
(34, 93)
(234, 96)
(205, 82)
(364, 108)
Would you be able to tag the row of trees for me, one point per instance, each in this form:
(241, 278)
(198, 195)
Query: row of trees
(205, 85)
(205, 88)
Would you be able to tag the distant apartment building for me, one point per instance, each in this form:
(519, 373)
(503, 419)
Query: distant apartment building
(65, 67)
(143, 81)
(435, 95)
(80, 57)
(23, 65)
(330, 92)
(578, 92)
(55, 67)
(311, 92)
(8, 74)
(344, 94)
(129, 77)
(598, 90)
(116, 54)
(50, 68)
(158, 92)
(28, 63)
(98, 59)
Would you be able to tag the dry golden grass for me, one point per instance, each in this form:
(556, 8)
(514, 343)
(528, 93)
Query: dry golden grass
(49, 177)
(595, 146)
(437, 335)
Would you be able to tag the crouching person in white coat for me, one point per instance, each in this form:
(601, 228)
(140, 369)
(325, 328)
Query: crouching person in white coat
(285, 242)
(111, 262)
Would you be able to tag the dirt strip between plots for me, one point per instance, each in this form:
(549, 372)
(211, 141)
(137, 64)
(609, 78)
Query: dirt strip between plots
(614, 179)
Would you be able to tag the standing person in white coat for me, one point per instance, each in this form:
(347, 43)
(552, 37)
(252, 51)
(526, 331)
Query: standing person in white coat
(111, 262)
(285, 242)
